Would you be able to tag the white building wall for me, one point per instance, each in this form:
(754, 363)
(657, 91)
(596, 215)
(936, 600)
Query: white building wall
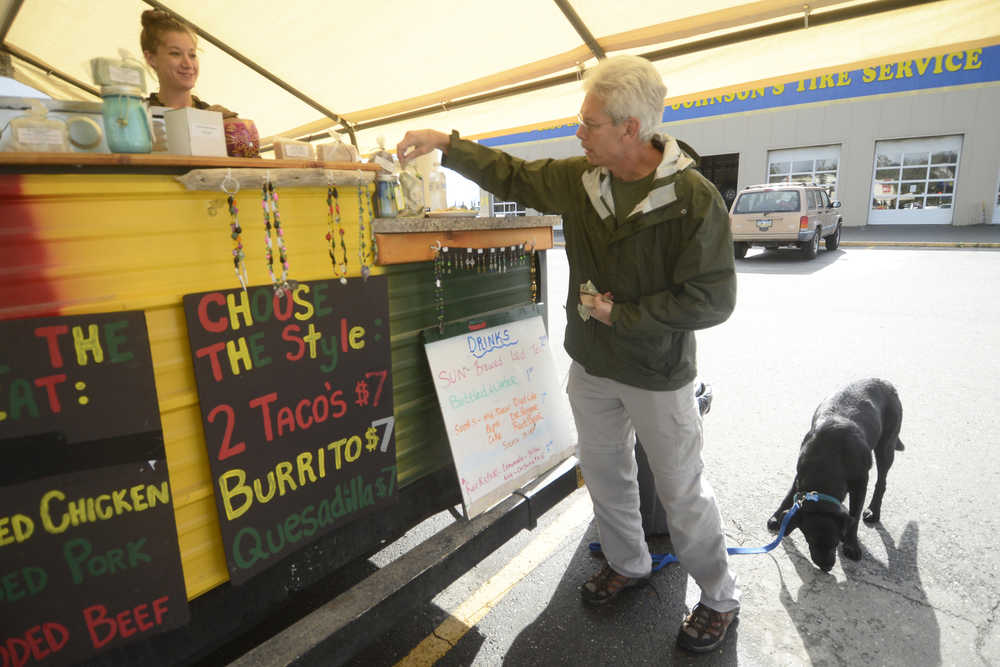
(855, 124)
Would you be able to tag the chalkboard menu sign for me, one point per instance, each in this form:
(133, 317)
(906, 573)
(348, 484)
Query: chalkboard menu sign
(296, 401)
(507, 416)
(88, 544)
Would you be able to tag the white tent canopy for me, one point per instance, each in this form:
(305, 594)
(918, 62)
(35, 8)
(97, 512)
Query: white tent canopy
(371, 62)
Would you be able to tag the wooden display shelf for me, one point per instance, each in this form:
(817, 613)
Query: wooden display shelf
(160, 160)
(403, 240)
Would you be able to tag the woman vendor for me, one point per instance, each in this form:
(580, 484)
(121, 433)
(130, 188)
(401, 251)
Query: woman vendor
(170, 48)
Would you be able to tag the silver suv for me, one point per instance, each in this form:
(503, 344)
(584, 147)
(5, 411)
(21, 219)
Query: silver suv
(780, 215)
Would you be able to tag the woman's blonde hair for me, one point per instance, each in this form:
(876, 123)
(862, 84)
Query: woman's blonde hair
(155, 23)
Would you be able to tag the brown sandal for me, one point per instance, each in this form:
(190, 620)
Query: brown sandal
(704, 628)
(606, 584)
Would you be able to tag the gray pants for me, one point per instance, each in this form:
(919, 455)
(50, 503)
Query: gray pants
(608, 416)
(654, 517)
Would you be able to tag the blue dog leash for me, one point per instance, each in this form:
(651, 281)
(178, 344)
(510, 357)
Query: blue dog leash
(661, 560)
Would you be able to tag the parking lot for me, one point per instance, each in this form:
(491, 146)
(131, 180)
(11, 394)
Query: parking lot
(926, 589)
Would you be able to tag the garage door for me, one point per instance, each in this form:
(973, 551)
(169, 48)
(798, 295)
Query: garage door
(914, 181)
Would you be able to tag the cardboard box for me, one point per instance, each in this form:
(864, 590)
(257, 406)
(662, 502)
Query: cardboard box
(195, 132)
(289, 149)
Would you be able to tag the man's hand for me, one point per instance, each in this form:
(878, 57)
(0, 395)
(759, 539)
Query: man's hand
(420, 142)
(599, 305)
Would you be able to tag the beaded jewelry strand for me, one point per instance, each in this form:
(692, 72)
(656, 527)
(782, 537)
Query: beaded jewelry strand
(265, 205)
(236, 233)
(371, 217)
(534, 274)
(362, 235)
(282, 249)
(333, 205)
(439, 269)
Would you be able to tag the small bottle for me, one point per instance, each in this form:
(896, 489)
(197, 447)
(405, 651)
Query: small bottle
(437, 189)
(385, 182)
(385, 196)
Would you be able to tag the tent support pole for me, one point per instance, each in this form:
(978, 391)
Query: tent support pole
(581, 29)
(48, 69)
(8, 20)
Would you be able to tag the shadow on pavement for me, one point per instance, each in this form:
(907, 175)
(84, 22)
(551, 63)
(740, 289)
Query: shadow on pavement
(637, 628)
(397, 643)
(786, 261)
(879, 615)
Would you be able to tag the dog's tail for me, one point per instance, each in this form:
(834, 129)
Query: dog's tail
(899, 445)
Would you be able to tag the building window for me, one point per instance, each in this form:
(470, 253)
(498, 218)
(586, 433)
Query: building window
(996, 207)
(461, 193)
(815, 164)
(914, 180)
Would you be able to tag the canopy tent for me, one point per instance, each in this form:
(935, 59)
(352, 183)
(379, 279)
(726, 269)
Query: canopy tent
(449, 64)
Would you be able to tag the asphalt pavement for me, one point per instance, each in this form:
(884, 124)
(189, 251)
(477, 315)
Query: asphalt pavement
(893, 303)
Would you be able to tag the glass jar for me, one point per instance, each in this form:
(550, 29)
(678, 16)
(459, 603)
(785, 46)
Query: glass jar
(242, 138)
(412, 185)
(385, 196)
(126, 121)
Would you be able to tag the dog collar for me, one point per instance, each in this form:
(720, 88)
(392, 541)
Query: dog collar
(816, 496)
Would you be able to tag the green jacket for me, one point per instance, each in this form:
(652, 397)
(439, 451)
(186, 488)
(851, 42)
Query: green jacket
(669, 266)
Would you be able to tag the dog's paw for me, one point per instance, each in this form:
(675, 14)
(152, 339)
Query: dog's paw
(852, 551)
(774, 523)
(870, 517)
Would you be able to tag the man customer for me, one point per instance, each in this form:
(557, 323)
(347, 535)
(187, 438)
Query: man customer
(650, 260)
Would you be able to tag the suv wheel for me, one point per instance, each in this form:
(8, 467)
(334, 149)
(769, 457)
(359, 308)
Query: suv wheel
(740, 249)
(810, 248)
(833, 240)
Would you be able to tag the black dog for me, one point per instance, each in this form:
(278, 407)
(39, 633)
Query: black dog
(847, 428)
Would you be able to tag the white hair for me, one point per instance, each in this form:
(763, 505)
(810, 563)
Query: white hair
(630, 87)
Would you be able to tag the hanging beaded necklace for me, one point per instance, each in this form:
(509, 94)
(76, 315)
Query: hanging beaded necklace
(371, 231)
(282, 249)
(333, 207)
(265, 205)
(236, 233)
(363, 253)
(269, 204)
(439, 270)
(534, 274)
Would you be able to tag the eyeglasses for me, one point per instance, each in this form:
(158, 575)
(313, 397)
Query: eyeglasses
(591, 126)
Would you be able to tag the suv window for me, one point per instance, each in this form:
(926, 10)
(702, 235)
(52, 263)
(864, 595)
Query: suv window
(826, 200)
(813, 199)
(768, 201)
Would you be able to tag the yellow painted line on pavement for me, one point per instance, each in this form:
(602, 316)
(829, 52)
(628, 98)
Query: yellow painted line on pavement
(472, 610)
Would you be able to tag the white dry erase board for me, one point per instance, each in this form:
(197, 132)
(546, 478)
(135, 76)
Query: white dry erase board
(506, 414)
